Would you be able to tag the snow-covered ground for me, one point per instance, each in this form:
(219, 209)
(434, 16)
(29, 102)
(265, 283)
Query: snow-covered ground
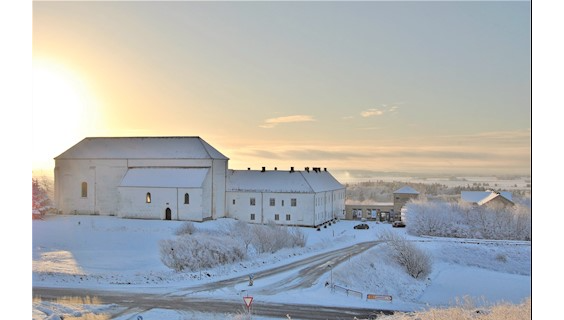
(109, 253)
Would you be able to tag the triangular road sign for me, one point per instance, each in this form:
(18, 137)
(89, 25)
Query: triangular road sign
(248, 301)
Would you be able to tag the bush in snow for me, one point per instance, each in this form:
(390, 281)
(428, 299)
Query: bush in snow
(192, 250)
(199, 251)
(242, 231)
(271, 238)
(462, 220)
(186, 228)
(416, 262)
(41, 203)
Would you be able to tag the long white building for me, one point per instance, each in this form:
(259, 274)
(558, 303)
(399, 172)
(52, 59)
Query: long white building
(185, 178)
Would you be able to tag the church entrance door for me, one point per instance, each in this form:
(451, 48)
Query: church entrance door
(168, 214)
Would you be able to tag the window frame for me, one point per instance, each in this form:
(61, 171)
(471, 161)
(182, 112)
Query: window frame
(84, 189)
(148, 197)
(186, 198)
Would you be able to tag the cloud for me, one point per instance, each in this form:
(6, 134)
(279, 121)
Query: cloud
(375, 112)
(273, 122)
(371, 113)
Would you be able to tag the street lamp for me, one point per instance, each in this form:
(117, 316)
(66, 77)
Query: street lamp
(330, 266)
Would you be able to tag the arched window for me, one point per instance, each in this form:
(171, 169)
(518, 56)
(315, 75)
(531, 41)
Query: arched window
(84, 189)
(186, 198)
(148, 197)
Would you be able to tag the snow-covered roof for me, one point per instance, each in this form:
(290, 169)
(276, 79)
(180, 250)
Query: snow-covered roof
(165, 177)
(368, 203)
(481, 197)
(406, 190)
(142, 148)
(281, 181)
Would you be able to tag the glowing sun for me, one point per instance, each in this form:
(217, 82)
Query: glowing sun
(62, 108)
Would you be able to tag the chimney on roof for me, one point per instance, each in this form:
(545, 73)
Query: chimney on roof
(307, 169)
(248, 168)
(263, 169)
(291, 169)
(275, 168)
(325, 169)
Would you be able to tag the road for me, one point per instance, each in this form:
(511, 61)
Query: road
(310, 270)
(307, 273)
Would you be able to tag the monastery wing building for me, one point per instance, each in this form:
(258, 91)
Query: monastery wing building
(185, 178)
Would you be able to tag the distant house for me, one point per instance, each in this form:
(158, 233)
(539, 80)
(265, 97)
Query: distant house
(401, 197)
(382, 211)
(185, 178)
(369, 210)
(480, 198)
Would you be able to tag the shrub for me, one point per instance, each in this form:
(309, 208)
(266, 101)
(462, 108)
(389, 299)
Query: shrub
(271, 238)
(199, 251)
(186, 228)
(416, 262)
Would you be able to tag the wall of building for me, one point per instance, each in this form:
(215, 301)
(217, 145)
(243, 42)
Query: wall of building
(368, 211)
(218, 189)
(101, 177)
(400, 199)
(239, 207)
(134, 204)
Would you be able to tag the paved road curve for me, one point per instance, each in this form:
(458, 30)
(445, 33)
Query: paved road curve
(309, 270)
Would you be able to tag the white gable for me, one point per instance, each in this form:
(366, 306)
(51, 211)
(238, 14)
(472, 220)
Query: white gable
(165, 177)
(142, 148)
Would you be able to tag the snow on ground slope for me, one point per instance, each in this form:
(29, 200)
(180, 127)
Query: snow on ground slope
(122, 254)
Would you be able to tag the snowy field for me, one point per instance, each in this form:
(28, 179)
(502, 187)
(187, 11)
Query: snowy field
(109, 253)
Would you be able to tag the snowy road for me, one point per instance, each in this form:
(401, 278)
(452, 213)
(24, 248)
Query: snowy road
(297, 275)
(308, 272)
(135, 303)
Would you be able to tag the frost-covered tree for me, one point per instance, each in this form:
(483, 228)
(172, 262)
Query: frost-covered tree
(41, 203)
(199, 251)
(463, 220)
(417, 263)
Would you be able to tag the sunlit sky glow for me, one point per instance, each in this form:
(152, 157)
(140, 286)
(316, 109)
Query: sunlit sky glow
(422, 87)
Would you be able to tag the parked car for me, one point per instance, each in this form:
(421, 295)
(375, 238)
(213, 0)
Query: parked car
(398, 224)
(362, 226)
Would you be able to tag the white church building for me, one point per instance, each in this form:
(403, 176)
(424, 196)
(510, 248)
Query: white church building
(185, 178)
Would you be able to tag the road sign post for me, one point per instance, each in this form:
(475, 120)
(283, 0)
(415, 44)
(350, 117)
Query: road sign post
(248, 302)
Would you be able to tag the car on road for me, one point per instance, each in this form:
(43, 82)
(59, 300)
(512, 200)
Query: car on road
(398, 224)
(362, 226)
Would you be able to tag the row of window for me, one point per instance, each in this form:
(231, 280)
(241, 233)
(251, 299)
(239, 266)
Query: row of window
(84, 194)
(186, 198)
(253, 202)
(276, 217)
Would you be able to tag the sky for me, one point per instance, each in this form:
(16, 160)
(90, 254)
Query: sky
(422, 87)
